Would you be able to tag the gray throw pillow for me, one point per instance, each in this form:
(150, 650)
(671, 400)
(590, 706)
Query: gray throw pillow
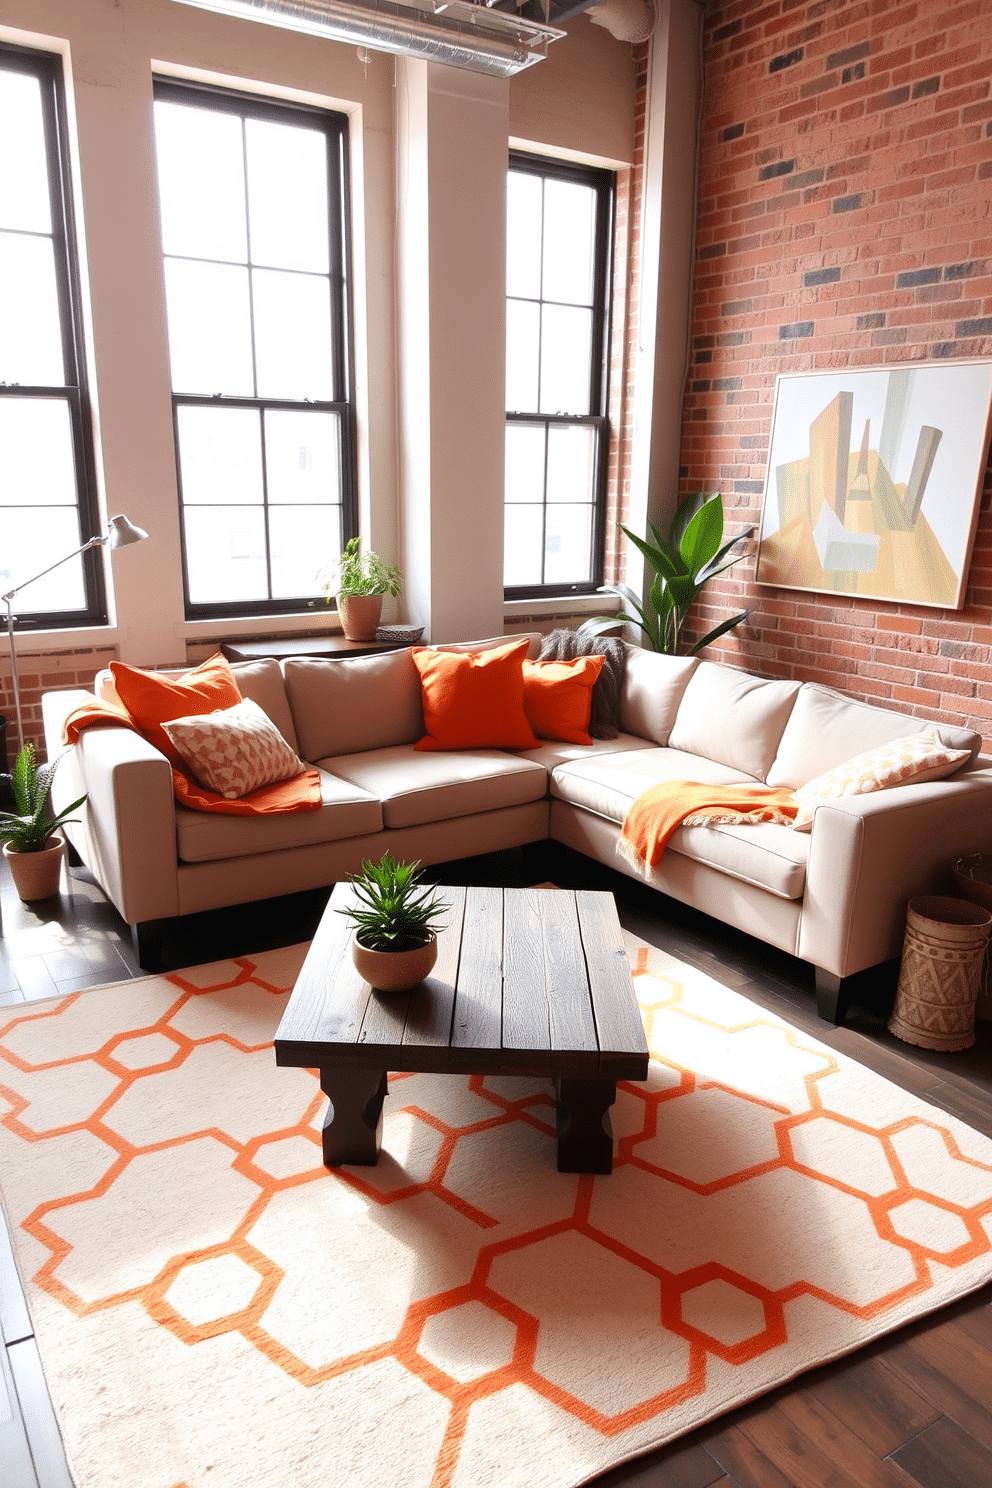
(565, 645)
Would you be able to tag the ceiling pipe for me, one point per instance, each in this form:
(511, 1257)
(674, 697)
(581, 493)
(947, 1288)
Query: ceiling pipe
(460, 33)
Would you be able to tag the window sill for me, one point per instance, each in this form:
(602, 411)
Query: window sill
(564, 604)
(255, 627)
(86, 638)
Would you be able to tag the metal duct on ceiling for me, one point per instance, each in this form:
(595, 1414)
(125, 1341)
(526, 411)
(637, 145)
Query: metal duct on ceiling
(460, 33)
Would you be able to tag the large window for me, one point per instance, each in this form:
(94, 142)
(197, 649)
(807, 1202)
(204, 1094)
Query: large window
(559, 232)
(254, 228)
(47, 502)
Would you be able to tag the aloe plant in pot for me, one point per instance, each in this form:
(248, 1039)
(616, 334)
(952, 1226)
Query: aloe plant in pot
(31, 843)
(396, 918)
(359, 582)
(693, 551)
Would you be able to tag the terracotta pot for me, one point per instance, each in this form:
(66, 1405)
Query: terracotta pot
(360, 615)
(394, 971)
(36, 875)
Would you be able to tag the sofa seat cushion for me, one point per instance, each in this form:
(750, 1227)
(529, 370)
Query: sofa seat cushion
(609, 784)
(416, 787)
(346, 811)
(553, 752)
(767, 855)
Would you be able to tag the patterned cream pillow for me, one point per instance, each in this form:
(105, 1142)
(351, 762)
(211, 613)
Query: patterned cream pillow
(234, 750)
(917, 757)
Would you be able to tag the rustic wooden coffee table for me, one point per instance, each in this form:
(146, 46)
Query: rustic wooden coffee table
(527, 982)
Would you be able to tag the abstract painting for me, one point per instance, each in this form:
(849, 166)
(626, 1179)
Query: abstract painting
(874, 481)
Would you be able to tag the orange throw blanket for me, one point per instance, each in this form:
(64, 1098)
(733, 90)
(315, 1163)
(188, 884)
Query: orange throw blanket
(661, 809)
(300, 793)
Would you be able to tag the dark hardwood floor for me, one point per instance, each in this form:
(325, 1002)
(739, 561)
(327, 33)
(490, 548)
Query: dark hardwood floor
(915, 1408)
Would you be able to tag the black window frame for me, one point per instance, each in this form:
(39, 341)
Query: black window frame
(603, 182)
(335, 124)
(47, 67)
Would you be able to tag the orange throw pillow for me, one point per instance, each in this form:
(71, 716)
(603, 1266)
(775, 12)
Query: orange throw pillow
(558, 697)
(152, 699)
(474, 699)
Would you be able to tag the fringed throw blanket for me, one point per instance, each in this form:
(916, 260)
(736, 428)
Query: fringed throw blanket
(661, 809)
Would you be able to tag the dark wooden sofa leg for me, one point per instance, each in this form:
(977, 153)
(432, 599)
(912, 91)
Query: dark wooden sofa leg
(833, 995)
(148, 939)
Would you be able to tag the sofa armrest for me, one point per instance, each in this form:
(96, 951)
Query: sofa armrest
(869, 855)
(126, 834)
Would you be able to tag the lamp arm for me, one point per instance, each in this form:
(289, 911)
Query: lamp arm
(94, 542)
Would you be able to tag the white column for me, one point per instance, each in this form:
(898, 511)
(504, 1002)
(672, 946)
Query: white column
(670, 149)
(452, 137)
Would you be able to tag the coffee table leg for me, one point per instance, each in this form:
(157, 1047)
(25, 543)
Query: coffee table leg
(585, 1132)
(353, 1125)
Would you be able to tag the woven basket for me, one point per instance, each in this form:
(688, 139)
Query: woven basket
(403, 635)
(940, 974)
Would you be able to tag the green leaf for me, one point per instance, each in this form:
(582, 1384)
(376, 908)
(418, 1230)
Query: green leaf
(703, 535)
(719, 630)
(660, 560)
(722, 559)
(683, 516)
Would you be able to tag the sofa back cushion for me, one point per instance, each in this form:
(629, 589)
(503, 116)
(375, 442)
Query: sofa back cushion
(826, 729)
(533, 638)
(652, 690)
(731, 717)
(349, 706)
(262, 682)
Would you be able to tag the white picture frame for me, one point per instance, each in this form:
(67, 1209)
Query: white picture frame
(875, 479)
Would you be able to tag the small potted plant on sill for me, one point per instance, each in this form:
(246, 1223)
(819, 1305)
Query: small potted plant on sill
(359, 582)
(396, 918)
(31, 844)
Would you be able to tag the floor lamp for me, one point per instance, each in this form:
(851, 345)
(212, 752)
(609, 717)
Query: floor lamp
(120, 532)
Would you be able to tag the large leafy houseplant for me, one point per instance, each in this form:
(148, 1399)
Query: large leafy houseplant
(693, 551)
(28, 828)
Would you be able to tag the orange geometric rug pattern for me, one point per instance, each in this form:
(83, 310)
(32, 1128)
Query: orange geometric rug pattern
(212, 1306)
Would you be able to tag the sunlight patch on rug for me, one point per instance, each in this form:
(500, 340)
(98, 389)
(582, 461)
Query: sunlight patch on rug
(216, 1310)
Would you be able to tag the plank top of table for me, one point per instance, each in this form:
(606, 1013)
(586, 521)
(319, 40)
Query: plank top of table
(527, 981)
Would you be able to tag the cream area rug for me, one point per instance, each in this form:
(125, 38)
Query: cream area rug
(216, 1310)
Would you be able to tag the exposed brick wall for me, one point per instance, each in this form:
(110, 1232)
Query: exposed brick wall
(845, 182)
(40, 672)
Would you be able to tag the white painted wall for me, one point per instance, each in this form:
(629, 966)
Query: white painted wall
(670, 149)
(439, 514)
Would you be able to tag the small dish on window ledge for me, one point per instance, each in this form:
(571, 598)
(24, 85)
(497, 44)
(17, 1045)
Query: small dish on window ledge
(404, 635)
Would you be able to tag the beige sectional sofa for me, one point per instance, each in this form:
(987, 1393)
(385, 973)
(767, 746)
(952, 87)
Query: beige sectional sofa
(835, 897)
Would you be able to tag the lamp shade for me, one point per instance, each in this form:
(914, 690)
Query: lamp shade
(122, 531)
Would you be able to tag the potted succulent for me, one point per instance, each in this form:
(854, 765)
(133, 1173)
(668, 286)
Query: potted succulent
(359, 581)
(31, 844)
(396, 918)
